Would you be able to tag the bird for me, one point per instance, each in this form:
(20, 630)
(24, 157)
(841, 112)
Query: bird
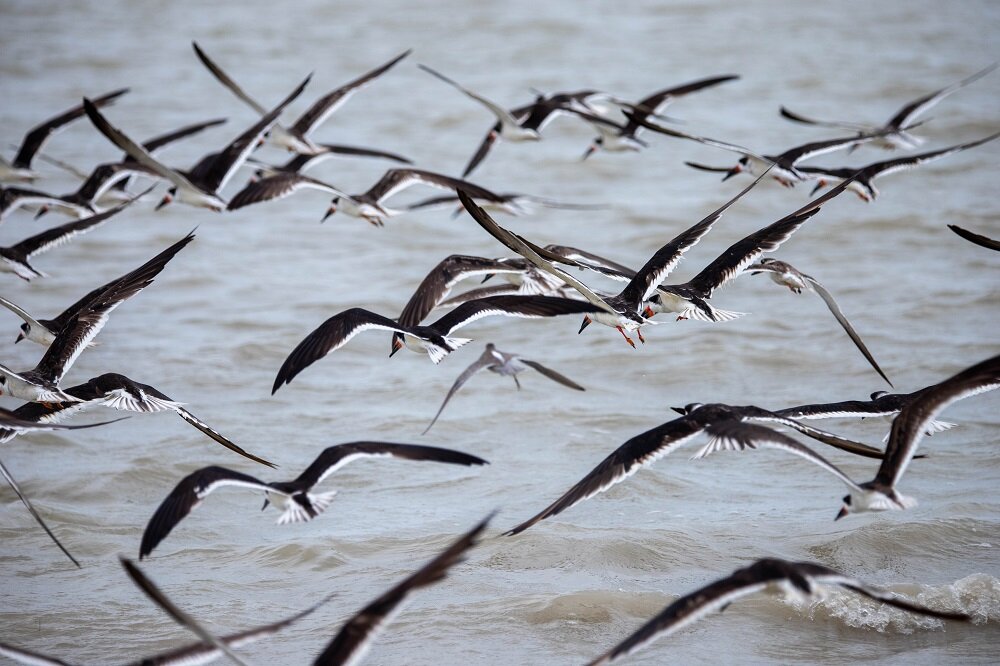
(41, 384)
(864, 180)
(690, 299)
(20, 168)
(368, 205)
(730, 427)
(435, 339)
(625, 139)
(356, 636)
(44, 331)
(12, 422)
(179, 616)
(111, 179)
(978, 239)
(627, 311)
(296, 138)
(895, 133)
(504, 364)
(438, 283)
(510, 128)
(881, 404)
(512, 203)
(908, 429)
(201, 185)
(301, 505)
(117, 391)
(192, 654)
(588, 104)
(13, 198)
(786, 275)
(799, 580)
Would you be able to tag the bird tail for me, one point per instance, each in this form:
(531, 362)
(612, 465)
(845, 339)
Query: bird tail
(303, 507)
(437, 352)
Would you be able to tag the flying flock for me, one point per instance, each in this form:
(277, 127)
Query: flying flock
(539, 282)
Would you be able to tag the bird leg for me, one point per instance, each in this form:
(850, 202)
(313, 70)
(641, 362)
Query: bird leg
(625, 335)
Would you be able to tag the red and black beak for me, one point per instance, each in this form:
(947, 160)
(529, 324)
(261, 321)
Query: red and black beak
(585, 324)
(732, 172)
(164, 201)
(840, 514)
(590, 151)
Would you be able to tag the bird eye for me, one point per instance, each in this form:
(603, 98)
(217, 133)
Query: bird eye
(847, 500)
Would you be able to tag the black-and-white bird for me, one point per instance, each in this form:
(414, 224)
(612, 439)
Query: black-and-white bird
(786, 275)
(296, 137)
(193, 654)
(16, 258)
(626, 139)
(512, 203)
(908, 429)
(881, 405)
(800, 580)
(690, 299)
(895, 133)
(730, 427)
(864, 179)
(505, 365)
(626, 311)
(356, 636)
(20, 168)
(41, 384)
(300, 503)
(368, 205)
(592, 105)
(123, 394)
(179, 616)
(978, 239)
(12, 422)
(13, 198)
(435, 339)
(44, 331)
(201, 185)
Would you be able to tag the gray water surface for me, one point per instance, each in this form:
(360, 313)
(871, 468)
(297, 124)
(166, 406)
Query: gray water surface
(214, 328)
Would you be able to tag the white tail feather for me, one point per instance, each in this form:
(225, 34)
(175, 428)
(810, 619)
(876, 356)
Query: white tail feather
(296, 513)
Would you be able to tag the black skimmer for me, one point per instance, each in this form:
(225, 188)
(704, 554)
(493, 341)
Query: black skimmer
(799, 580)
(895, 133)
(368, 205)
(435, 339)
(20, 168)
(193, 654)
(505, 365)
(786, 275)
(121, 393)
(438, 283)
(510, 128)
(16, 259)
(41, 384)
(201, 185)
(864, 182)
(174, 611)
(978, 239)
(881, 404)
(296, 138)
(111, 179)
(626, 139)
(690, 299)
(784, 167)
(44, 331)
(12, 198)
(301, 505)
(513, 203)
(355, 638)
(628, 310)
(588, 104)
(908, 429)
(14, 423)
(730, 427)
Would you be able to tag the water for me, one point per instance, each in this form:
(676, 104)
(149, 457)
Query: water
(221, 318)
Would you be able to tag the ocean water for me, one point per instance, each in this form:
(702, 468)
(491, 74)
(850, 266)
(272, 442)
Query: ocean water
(214, 328)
